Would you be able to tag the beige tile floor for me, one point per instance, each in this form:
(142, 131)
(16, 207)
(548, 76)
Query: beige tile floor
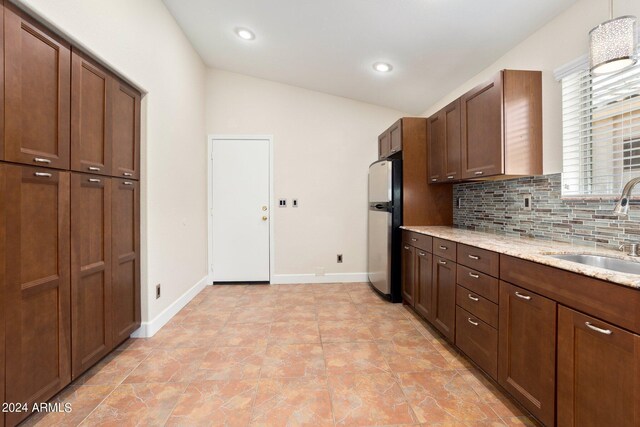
(287, 355)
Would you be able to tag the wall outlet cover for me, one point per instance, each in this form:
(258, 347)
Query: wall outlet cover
(158, 291)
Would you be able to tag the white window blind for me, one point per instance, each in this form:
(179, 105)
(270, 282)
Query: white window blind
(601, 131)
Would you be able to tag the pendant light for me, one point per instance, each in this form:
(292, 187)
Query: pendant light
(613, 44)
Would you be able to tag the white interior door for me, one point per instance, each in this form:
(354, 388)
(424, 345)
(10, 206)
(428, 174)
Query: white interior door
(240, 210)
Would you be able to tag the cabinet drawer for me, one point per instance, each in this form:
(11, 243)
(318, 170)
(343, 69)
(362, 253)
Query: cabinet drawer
(477, 340)
(480, 283)
(417, 240)
(481, 307)
(444, 248)
(479, 259)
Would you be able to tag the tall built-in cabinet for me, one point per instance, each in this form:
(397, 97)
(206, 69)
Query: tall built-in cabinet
(69, 212)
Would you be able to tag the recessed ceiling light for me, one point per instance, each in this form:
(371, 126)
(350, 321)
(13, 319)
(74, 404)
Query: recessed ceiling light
(245, 34)
(382, 67)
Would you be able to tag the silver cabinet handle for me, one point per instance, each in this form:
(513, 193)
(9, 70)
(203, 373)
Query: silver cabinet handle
(422, 254)
(434, 179)
(472, 298)
(474, 257)
(444, 248)
(595, 328)
(407, 247)
(472, 322)
(41, 160)
(479, 173)
(42, 174)
(127, 174)
(93, 180)
(450, 177)
(128, 183)
(93, 168)
(474, 275)
(442, 262)
(394, 150)
(413, 239)
(519, 295)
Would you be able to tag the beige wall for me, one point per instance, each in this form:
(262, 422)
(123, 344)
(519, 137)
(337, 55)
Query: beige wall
(561, 41)
(142, 41)
(323, 145)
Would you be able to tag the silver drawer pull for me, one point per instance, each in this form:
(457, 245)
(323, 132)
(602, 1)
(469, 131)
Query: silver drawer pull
(422, 254)
(472, 322)
(42, 174)
(474, 257)
(127, 174)
(393, 151)
(444, 248)
(407, 247)
(413, 239)
(474, 275)
(595, 328)
(41, 160)
(94, 168)
(128, 183)
(434, 179)
(472, 298)
(519, 295)
(442, 262)
(93, 180)
(450, 177)
(479, 173)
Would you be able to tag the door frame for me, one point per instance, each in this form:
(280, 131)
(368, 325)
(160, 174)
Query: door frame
(210, 139)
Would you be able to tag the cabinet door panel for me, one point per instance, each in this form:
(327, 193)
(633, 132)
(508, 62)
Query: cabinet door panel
(527, 338)
(125, 242)
(125, 106)
(436, 147)
(384, 145)
(91, 117)
(424, 284)
(598, 373)
(37, 304)
(444, 296)
(482, 136)
(395, 137)
(408, 274)
(37, 93)
(90, 270)
(452, 141)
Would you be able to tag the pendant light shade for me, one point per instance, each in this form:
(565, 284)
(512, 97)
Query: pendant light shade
(613, 44)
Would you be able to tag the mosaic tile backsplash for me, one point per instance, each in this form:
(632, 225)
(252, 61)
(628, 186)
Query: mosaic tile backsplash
(498, 206)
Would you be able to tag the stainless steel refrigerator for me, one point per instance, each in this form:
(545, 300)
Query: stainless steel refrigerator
(385, 218)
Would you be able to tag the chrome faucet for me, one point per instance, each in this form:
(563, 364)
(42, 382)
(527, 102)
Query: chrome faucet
(633, 249)
(622, 207)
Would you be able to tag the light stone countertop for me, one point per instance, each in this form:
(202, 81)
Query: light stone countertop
(534, 250)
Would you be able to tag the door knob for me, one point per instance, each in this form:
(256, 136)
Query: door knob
(264, 218)
(264, 208)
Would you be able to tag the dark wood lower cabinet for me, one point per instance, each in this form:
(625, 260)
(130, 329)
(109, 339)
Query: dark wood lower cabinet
(423, 283)
(37, 285)
(478, 340)
(90, 270)
(125, 235)
(408, 274)
(2, 286)
(527, 350)
(598, 373)
(444, 296)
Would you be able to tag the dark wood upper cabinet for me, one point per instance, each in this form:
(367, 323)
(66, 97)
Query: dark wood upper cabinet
(444, 296)
(125, 253)
(395, 137)
(502, 126)
(598, 373)
(37, 85)
(408, 274)
(125, 122)
(37, 287)
(90, 270)
(91, 116)
(452, 161)
(384, 144)
(527, 350)
(436, 147)
(423, 301)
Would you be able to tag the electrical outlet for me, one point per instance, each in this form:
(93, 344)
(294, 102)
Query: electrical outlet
(158, 291)
(458, 202)
(294, 203)
(339, 259)
(527, 202)
(282, 203)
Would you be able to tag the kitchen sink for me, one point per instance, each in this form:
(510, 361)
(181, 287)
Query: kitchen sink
(606, 262)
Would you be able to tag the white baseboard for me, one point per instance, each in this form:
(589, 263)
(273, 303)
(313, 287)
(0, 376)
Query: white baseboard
(277, 279)
(149, 329)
